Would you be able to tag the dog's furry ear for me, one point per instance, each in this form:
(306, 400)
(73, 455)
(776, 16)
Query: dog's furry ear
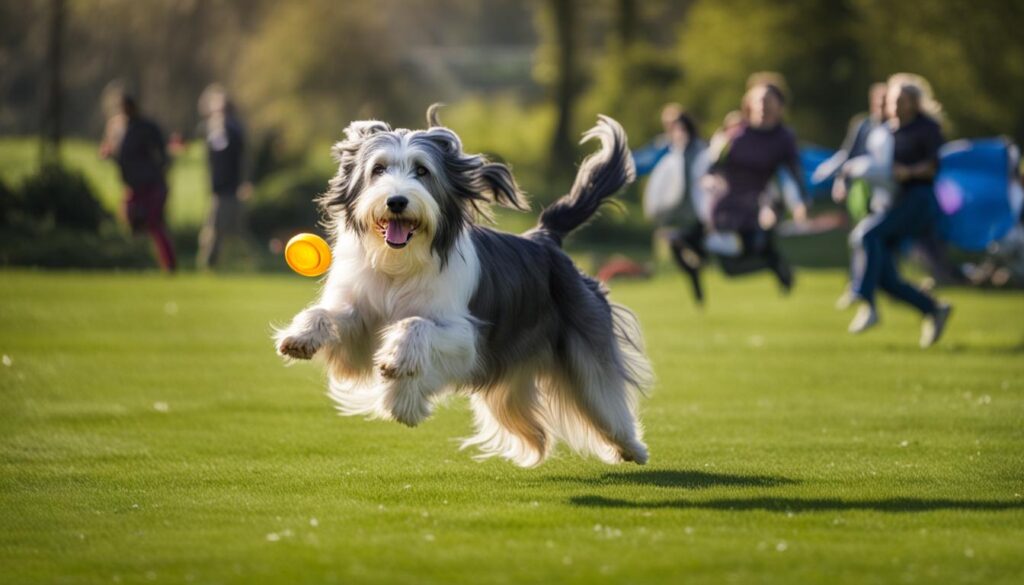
(433, 117)
(471, 176)
(346, 183)
(355, 134)
(497, 179)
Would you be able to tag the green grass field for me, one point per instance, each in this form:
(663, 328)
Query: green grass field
(150, 434)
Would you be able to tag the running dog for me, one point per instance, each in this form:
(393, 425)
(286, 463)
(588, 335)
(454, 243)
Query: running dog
(422, 301)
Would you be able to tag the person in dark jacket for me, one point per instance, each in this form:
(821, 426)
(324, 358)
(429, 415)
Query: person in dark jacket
(137, 146)
(917, 139)
(225, 149)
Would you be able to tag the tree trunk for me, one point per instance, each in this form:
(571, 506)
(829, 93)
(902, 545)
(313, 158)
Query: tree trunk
(52, 128)
(562, 149)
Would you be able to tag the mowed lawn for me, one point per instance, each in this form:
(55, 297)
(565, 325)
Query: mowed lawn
(148, 433)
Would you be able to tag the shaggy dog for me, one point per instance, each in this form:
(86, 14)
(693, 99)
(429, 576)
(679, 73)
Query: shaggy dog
(421, 301)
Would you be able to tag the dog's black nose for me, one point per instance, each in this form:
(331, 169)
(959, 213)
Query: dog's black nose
(397, 203)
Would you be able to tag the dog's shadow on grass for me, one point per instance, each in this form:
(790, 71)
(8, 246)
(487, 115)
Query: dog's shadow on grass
(678, 478)
(802, 505)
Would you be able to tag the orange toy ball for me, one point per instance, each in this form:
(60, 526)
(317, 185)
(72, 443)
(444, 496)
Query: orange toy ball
(308, 254)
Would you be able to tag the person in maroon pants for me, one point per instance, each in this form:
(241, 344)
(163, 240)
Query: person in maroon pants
(137, 146)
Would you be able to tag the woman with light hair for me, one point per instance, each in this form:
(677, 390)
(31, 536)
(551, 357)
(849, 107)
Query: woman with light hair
(912, 115)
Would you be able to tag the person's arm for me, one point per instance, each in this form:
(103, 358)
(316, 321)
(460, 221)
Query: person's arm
(158, 146)
(795, 203)
(647, 157)
(835, 162)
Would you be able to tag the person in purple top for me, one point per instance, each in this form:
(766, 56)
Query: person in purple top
(751, 155)
(917, 139)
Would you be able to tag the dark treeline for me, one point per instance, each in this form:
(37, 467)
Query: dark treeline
(302, 70)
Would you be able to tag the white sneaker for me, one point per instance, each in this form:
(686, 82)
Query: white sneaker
(933, 325)
(866, 318)
(846, 300)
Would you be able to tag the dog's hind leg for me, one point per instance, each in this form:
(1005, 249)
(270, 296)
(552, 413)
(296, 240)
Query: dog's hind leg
(592, 406)
(418, 358)
(508, 423)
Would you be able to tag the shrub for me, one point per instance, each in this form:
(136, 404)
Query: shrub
(283, 203)
(62, 199)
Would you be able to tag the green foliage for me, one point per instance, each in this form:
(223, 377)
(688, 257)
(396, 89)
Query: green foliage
(972, 53)
(150, 435)
(722, 43)
(283, 204)
(632, 85)
(831, 51)
(512, 132)
(322, 64)
(61, 199)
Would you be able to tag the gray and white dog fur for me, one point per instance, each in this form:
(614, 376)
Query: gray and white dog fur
(421, 301)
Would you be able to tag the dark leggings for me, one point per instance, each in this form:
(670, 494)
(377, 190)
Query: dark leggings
(759, 252)
(690, 240)
(911, 217)
(144, 209)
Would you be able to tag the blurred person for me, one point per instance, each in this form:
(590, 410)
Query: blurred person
(225, 150)
(862, 165)
(855, 142)
(912, 115)
(674, 199)
(649, 155)
(137, 145)
(752, 153)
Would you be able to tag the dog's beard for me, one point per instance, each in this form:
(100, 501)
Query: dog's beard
(398, 245)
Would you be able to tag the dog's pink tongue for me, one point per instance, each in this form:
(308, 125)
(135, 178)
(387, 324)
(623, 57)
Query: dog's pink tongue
(397, 232)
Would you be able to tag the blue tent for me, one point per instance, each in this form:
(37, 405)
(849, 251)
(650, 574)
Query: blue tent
(973, 189)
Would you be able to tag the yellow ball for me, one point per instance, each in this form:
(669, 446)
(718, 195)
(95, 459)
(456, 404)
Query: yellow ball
(308, 254)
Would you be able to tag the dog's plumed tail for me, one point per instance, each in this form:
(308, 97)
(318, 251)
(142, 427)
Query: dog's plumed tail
(601, 175)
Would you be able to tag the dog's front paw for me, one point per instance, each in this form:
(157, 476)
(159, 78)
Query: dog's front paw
(297, 347)
(404, 353)
(408, 408)
(397, 368)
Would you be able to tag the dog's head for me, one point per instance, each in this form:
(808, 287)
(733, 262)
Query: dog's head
(409, 194)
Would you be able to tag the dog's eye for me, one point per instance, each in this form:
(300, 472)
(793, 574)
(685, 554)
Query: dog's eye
(378, 170)
(421, 171)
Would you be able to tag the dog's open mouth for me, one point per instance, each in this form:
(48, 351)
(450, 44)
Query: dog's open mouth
(397, 232)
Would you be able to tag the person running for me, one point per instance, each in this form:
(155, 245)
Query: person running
(862, 165)
(681, 212)
(649, 155)
(917, 138)
(137, 145)
(225, 149)
(855, 143)
(752, 154)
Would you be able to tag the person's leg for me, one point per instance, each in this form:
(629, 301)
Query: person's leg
(210, 236)
(875, 232)
(157, 228)
(878, 231)
(687, 253)
(891, 282)
(936, 259)
(777, 263)
(857, 262)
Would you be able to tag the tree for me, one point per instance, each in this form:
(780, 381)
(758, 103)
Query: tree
(51, 126)
(566, 85)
